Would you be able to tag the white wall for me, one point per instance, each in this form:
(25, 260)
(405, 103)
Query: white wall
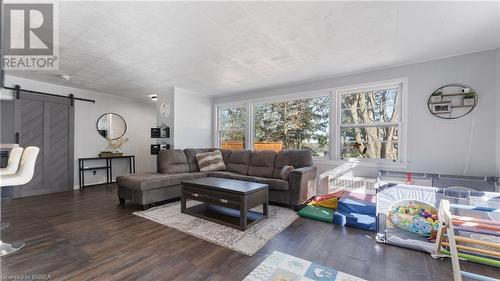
(192, 119)
(498, 111)
(139, 115)
(462, 146)
(166, 97)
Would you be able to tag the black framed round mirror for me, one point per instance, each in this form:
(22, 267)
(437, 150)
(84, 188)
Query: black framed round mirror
(111, 126)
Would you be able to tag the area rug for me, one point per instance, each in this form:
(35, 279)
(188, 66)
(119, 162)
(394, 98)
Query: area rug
(282, 267)
(246, 242)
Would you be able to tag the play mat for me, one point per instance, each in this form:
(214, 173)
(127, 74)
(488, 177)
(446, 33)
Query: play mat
(280, 266)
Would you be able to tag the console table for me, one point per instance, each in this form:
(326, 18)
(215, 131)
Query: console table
(107, 165)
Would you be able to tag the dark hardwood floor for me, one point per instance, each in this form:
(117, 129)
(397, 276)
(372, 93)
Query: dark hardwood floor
(88, 236)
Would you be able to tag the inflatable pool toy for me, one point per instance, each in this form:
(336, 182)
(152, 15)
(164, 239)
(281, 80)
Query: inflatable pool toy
(414, 216)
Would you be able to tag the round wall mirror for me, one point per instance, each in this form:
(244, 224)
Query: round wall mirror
(111, 126)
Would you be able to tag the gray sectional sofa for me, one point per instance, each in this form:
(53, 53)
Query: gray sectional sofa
(175, 166)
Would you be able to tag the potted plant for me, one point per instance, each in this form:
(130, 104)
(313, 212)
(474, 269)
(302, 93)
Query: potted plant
(469, 98)
(436, 97)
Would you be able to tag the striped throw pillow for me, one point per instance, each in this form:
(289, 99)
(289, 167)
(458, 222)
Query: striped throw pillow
(210, 161)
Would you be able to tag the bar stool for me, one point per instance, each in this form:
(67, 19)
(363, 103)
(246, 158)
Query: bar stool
(12, 167)
(23, 175)
(13, 163)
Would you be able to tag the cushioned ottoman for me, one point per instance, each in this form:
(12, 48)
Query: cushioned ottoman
(149, 188)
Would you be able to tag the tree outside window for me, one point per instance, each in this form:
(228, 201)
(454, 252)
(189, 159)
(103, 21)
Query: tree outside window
(232, 127)
(294, 124)
(369, 124)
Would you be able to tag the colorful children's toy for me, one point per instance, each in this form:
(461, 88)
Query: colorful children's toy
(318, 213)
(406, 214)
(459, 247)
(417, 217)
(343, 208)
(321, 208)
(360, 221)
(327, 200)
(356, 210)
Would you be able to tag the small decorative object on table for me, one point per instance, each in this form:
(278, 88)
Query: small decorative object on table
(109, 154)
(116, 144)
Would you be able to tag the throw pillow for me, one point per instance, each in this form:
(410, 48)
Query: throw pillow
(210, 161)
(285, 172)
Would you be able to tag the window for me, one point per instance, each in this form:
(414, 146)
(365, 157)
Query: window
(363, 123)
(232, 127)
(370, 123)
(293, 124)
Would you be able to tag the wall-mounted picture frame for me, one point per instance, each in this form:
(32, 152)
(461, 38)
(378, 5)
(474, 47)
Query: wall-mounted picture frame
(441, 107)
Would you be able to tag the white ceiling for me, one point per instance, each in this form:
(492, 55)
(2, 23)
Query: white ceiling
(140, 48)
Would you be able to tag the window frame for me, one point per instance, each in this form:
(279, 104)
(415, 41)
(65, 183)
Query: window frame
(334, 123)
(219, 130)
(295, 96)
(400, 84)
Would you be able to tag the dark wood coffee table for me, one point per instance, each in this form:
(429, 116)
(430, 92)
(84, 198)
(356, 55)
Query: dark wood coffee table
(225, 201)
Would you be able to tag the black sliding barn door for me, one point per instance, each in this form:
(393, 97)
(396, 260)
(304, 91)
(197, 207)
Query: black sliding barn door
(46, 122)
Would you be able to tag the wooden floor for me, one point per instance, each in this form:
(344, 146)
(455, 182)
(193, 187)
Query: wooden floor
(88, 236)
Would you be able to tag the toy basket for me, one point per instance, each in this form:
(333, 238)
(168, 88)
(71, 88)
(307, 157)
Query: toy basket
(415, 217)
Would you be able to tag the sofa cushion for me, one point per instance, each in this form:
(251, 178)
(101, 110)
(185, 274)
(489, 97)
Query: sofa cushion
(210, 161)
(191, 157)
(297, 158)
(172, 161)
(239, 161)
(227, 175)
(226, 154)
(148, 181)
(274, 184)
(262, 163)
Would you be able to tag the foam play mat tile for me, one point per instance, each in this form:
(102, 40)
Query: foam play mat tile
(282, 267)
(317, 213)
